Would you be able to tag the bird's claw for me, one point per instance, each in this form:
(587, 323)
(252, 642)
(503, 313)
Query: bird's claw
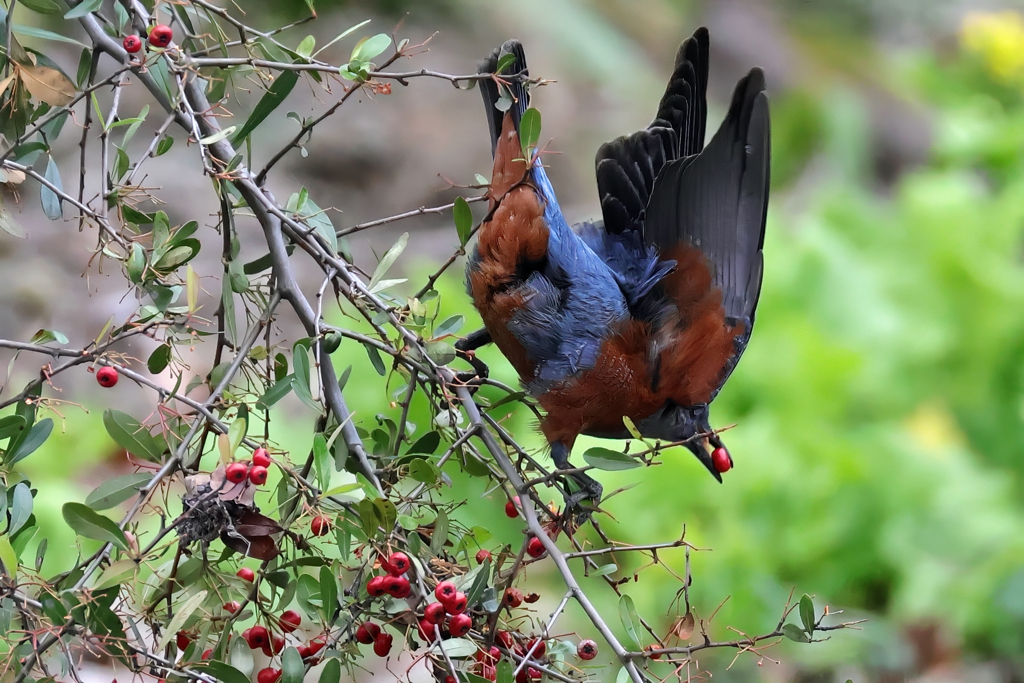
(582, 504)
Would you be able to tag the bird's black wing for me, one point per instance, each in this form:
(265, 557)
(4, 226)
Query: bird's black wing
(627, 167)
(512, 96)
(717, 200)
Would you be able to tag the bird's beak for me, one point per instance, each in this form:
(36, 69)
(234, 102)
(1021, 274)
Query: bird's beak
(702, 449)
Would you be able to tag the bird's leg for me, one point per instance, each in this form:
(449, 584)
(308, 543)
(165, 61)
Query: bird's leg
(464, 349)
(589, 488)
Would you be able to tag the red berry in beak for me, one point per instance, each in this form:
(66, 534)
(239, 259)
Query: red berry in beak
(721, 460)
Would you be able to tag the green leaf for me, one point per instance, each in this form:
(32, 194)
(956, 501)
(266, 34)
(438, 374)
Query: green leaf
(605, 569)
(479, 583)
(388, 259)
(305, 48)
(807, 613)
(322, 460)
(795, 633)
(331, 673)
(630, 619)
(424, 471)
(115, 491)
(34, 439)
(609, 460)
(218, 136)
(505, 62)
(328, 593)
(126, 431)
(51, 202)
(136, 263)
(270, 101)
(441, 352)
(159, 359)
(449, 326)
(34, 32)
(375, 359)
(529, 130)
(463, 220)
(224, 672)
(344, 33)
(42, 6)
(236, 432)
(115, 574)
(275, 393)
(368, 48)
(11, 425)
(90, 524)
(440, 536)
(292, 669)
(164, 146)
(8, 557)
(21, 508)
(456, 648)
(47, 336)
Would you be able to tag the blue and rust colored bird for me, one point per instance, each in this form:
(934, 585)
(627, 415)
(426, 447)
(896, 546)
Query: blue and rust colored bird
(644, 314)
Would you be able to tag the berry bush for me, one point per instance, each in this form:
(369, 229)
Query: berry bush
(228, 558)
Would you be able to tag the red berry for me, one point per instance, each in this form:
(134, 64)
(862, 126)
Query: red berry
(513, 597)
(426, 629)
(535, 548)
(445, 591)
(650, 648)
(721, 460)
(587, 649)
(161, 35)
(289, 621)
(106, 376)
(258, 475)
(320, 525)
(535, 674)
(303, 651)
(506, 639)
(482, 556)
(532, 598)
(488, 672)
(315, 646)
(232, 606)
(376, 586)
(398, 586)
(268, 675)
(459, 625)
(382, 644)
(399, 563)
(511, 508)
(183, 639)
(434, 613)
(236, 472)
(132, 44)
(246, 574)
(538, 651)
(256, 637)
(260, 458)
(450, 679)
(207, 654)
(488, 656)
(276, 644)
(456, 604)
(367, 632)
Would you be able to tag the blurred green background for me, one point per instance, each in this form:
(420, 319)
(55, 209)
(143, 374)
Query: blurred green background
(879, 409)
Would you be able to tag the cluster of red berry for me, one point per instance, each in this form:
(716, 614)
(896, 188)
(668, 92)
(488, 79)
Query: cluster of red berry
(255, 470)
(160, 36)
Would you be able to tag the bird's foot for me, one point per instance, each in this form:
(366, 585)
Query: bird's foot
(466, 350)
(583, 503)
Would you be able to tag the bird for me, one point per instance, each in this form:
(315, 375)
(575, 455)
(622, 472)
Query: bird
(644, 313)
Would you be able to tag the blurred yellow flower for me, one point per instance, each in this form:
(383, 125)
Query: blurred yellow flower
(998, 37)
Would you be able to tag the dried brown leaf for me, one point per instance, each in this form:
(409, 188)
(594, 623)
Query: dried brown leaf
(47, 85)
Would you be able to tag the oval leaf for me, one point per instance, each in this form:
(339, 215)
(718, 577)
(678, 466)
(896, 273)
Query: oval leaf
(90, 524)
(607, 459)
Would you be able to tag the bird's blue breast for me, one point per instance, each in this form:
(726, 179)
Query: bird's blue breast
(571, 301)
